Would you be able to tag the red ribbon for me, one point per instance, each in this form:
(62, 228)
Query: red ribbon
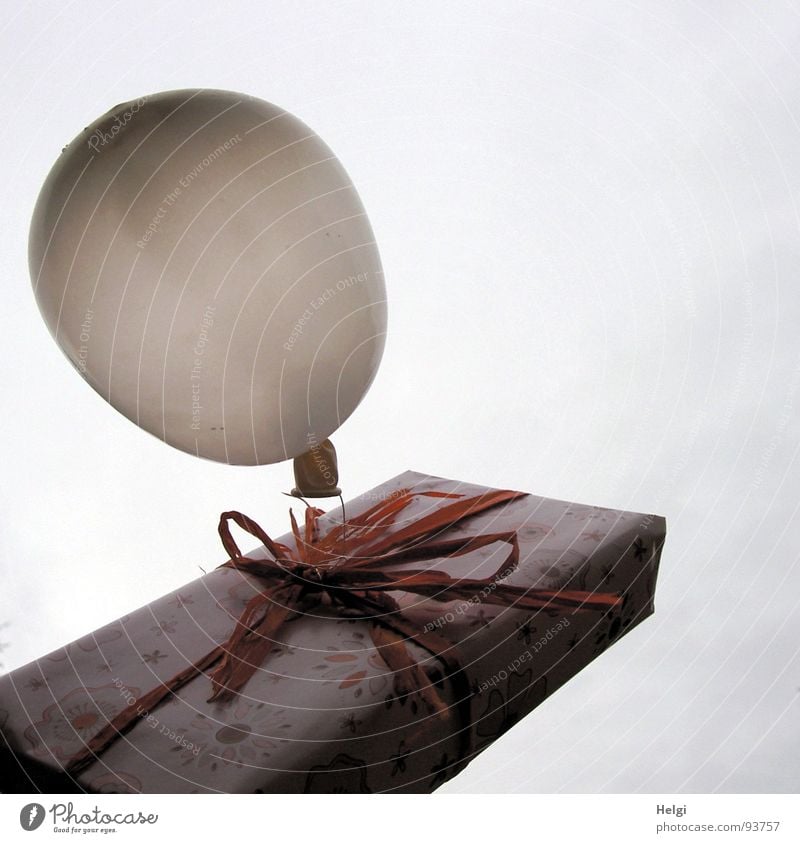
(351, 568)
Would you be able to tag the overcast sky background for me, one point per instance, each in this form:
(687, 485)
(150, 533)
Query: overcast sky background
(588, 221)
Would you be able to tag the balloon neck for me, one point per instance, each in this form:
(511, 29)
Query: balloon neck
(316, 472)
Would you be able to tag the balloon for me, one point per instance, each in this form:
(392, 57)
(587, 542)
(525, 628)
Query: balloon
(204, 261)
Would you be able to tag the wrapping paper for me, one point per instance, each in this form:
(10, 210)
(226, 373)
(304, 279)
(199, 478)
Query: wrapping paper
(323, 713)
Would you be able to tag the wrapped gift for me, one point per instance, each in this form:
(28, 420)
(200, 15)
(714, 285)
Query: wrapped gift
(379, 654)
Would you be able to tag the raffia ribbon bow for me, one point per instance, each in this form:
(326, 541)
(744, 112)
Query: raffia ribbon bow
(350, 568)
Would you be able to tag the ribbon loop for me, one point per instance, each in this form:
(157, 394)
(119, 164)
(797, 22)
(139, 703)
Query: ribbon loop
(249, 526)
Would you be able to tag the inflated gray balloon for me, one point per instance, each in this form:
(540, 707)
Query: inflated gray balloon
(204, 261)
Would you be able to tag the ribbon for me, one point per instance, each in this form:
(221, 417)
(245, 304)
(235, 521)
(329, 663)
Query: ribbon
(350, 568)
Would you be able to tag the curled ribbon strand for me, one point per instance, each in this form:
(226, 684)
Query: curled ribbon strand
(350, 568)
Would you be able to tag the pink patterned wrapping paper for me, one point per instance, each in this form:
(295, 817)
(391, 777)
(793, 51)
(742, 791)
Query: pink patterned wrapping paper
(322, 715)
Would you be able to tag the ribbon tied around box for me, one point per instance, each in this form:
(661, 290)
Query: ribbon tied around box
(353, 568)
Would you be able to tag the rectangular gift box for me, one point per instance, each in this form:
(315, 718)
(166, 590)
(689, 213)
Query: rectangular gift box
(324, 713)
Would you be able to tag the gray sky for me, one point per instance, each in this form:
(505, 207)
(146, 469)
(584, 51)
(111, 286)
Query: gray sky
(588, 221)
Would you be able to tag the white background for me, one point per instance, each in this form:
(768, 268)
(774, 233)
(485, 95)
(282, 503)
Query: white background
(588, 219)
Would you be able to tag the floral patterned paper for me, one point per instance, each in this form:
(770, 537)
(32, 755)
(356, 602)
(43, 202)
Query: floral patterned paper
(323, 713)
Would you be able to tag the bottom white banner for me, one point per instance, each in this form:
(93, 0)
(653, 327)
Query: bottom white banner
(404, 818)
